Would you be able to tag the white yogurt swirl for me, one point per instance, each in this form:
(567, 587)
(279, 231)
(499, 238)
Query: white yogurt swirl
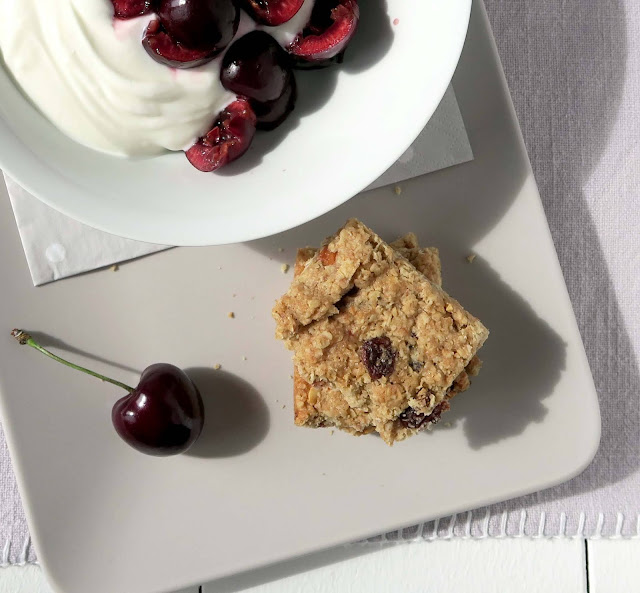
(90, 75)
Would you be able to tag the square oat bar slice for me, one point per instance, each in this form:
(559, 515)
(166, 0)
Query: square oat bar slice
(363, 320)
(321, 405)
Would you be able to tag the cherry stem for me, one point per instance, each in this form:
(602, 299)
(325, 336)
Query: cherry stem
(25, 338)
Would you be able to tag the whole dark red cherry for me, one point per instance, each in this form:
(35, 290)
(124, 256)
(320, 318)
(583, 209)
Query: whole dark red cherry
(255, 66)
(162, 416)
(204, 25)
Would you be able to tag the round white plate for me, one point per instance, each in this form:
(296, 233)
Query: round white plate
(350, 125)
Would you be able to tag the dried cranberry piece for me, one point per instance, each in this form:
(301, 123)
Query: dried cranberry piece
(412, 419)
(378, 356)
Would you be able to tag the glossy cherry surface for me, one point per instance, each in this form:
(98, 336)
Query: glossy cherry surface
(271, 114)
(166, 50)
(272, 12)
(163, 415)
(205, 25)
(332, 26)
(229, 138)
(255, 66)
(128, 9)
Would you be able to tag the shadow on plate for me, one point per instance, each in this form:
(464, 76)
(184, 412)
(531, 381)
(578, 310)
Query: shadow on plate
(570, 104)
(47, 341)
(524, 360)
(315, 87)
(236, 416)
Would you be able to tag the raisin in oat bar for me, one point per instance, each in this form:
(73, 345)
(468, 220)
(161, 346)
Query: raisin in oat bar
(320, 405)
(362, 320)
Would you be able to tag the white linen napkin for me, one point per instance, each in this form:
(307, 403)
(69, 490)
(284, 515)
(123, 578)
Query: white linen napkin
(57, 246)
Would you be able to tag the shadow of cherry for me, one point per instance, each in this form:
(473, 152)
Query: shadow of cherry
(236, 416)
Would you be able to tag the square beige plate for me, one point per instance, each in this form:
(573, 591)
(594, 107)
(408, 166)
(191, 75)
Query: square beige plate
(256, 488)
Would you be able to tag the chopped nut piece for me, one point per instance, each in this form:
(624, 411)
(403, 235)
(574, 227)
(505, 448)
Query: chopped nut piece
(114, 268)
(231, 315)
(328, 258)
(398, 190)
(471, 257)
(216, 367)
(313, 395)
(284, 268)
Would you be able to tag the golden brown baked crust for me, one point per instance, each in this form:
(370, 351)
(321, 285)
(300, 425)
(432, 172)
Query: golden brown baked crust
(365, 322)
(323, 405)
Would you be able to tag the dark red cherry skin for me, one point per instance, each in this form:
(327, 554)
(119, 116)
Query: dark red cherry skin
(255, 66)
(165, 50)
(272, 12)
(305, 64)
(128, 9)
(229, 138)
(272, 113)
(332, 25)
(163, 415)
(203, 25)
